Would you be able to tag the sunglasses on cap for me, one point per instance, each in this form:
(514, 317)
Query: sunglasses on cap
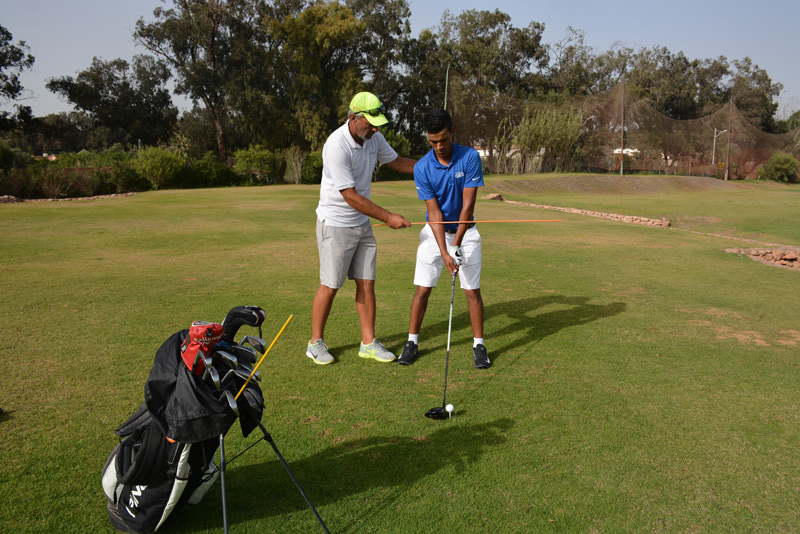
(373, 112)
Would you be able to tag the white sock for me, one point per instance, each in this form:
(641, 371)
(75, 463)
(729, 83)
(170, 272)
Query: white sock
(414, 338)
(477, 341)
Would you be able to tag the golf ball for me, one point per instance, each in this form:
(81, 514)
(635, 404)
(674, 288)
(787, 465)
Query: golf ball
(450, 408)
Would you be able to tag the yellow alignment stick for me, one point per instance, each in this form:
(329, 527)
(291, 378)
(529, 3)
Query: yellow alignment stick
(264, 356)
(481, 222)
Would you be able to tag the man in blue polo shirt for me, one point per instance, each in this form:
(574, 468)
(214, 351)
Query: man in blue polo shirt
(447, 179)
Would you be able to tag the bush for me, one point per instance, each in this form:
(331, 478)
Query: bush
(781, 167)
(312, 168)
(125, 178)
(258, 165)
(209, 171)
(162, 167)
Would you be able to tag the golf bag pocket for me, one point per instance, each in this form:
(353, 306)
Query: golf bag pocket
(143, 480)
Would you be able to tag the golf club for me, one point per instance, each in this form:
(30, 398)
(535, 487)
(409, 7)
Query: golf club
(227, 376)
(227, 358)
(246, 354)
(255, 342)
(253, 399)
(211, 372)
(246, 371)
(438, 412)
(229, 398)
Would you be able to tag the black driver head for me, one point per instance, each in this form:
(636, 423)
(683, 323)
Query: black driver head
(436, 413)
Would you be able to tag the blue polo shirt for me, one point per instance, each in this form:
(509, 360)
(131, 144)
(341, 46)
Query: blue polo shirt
(447, 183)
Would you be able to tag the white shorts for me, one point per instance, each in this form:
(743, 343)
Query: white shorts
(430, 262)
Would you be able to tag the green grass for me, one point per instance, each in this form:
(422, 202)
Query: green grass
(644, 380)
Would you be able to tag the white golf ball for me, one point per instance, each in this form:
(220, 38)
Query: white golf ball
(450, 408)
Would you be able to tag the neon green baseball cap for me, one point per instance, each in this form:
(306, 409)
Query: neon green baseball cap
(370, 106)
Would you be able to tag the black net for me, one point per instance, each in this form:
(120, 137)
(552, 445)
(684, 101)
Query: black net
(611, 132)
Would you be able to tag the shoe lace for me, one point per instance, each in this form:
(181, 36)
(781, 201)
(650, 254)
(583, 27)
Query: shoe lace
(378, 345)
(319, 344)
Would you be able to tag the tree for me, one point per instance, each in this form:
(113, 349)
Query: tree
(570, 66)
(208, 45)
(754, 94)
(315, 52)
(130, 102)
(487, 50)
(14, 59)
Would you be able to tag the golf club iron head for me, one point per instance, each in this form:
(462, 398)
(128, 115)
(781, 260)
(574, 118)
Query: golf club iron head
(211, 372)
(246, 369)
(436, 413)
(230, 374)
(231, 400)
(246, 354)
(253, 399)
(255, 342)
(227, 358)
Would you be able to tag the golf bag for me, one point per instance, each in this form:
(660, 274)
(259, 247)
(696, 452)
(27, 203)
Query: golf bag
(165, 458)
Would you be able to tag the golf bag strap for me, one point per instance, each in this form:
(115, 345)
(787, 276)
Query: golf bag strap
(141, 455)
(138, 419)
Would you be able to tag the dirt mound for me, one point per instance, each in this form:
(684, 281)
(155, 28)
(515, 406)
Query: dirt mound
(613, 184)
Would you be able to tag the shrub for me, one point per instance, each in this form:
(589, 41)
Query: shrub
(781, 167)
(125, 178)
(162, 167)
(312, 168)
(209, 171)
(258, 165)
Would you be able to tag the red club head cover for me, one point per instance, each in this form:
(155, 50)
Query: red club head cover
(202, 336)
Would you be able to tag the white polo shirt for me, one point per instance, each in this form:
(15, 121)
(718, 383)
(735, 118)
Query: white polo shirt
(347, 164)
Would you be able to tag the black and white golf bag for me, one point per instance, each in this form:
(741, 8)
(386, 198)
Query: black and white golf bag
(165, 458)
(147, 477)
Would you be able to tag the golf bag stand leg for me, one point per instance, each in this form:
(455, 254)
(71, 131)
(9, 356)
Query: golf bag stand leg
(269, 440)
(222, 481)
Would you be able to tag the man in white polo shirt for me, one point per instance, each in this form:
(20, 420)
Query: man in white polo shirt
(347, 247)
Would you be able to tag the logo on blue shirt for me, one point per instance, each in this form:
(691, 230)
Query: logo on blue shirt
(460, 174)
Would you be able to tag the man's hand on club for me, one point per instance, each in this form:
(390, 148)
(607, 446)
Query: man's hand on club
(396, 221)
(456, 253)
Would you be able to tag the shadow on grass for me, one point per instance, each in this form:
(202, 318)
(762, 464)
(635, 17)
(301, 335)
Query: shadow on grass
(530, 323)
(380, 468)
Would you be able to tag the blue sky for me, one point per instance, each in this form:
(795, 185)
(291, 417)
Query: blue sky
(65, 35)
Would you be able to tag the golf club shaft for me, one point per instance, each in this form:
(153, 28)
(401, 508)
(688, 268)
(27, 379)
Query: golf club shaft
(481, 222)
(449, 329)
(264, 356)
(269, 440)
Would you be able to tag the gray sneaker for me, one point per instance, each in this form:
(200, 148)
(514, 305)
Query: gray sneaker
(376, 351)
(318, 351)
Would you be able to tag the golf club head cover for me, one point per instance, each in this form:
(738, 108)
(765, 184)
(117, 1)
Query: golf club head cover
(241, 315)
(202, 336)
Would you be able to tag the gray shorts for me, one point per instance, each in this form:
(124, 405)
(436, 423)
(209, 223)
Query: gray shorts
(345, 252)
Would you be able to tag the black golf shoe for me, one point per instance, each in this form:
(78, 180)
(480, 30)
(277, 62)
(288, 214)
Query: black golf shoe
(481, 357)
(410, 352)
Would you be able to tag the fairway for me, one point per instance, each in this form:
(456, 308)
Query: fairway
(643, 379)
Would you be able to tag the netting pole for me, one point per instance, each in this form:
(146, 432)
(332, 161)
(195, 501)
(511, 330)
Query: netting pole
(728, 154)
(622, 134)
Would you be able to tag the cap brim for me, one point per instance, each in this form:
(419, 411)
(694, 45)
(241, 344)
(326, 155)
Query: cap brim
(378, 120)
